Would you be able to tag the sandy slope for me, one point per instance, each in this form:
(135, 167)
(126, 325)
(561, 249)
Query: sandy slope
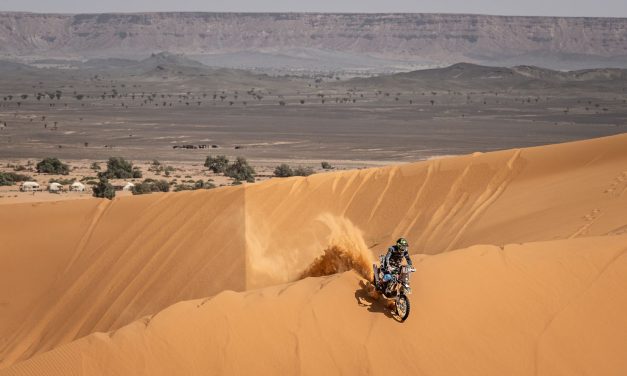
(76, 267)
(73, 268)
(546, 308)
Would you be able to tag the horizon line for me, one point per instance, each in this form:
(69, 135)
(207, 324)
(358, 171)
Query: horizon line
(301, 13)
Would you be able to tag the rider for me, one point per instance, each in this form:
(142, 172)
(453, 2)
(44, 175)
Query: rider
(393, 259)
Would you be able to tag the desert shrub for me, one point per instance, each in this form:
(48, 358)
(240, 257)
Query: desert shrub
(162, 186)
(95, 166)
(52, 166)
(156, 167)
(283, 171)
(10, 178)
(240, 170)
(326, 165)
(199, 184)
(167, 170)
(150, 185)
(183, 187)
(63, 181)
(142, 188)
(103, 189)
(137, 173)
(19, 168)
(218, 164)
(119, 168)
(303, 171)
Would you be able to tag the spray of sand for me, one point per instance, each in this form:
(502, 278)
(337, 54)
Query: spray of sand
(346, 251)
(337, 260)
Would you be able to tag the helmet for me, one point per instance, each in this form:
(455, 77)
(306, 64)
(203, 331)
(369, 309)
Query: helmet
(402, 244)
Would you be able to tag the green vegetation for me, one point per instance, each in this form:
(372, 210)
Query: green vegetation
(52, 166)
(119, 168)
(284, 171)
(150, 185)
(157, 167)
(240, 170)
(183, 187)
(104, 189)
(303, 171)
(326, 165)
(10, 178)
(218, 164)
(199, 184)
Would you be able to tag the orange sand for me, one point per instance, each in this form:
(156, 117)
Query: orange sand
(554, 305)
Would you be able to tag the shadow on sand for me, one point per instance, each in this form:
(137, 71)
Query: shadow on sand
(367, 297)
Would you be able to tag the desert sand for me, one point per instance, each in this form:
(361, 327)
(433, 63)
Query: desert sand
(520, 255)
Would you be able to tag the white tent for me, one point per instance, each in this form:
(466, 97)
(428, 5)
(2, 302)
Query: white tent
(55, 187)
(77, 187)
(29, 186)
(128, 187)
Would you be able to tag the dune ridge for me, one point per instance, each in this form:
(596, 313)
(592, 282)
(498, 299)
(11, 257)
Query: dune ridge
(96, 266)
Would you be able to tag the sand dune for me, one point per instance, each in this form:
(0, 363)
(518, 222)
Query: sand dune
(70, 269)
(544, 308)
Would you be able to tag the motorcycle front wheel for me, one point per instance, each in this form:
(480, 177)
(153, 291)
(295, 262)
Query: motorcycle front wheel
(402, 307)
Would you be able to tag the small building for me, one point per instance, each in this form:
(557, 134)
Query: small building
(77, 187)
(30, 186)
(55, 188)
(128, 186)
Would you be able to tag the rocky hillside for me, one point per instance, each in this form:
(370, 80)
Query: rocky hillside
(414, 38)
(479, 77)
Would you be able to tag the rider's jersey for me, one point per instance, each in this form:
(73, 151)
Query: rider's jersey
(395, 256)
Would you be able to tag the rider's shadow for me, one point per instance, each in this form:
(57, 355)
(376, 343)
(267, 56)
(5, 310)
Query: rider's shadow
(375, 305)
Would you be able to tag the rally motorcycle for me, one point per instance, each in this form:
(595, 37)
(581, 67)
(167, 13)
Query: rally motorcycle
(397, 288)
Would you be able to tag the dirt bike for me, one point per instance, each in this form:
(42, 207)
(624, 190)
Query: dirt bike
(397, 288)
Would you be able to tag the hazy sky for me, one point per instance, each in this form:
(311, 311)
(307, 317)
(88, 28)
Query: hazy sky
(598, 8)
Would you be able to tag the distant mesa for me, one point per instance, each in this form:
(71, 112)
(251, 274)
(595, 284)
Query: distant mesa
(324, 41)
